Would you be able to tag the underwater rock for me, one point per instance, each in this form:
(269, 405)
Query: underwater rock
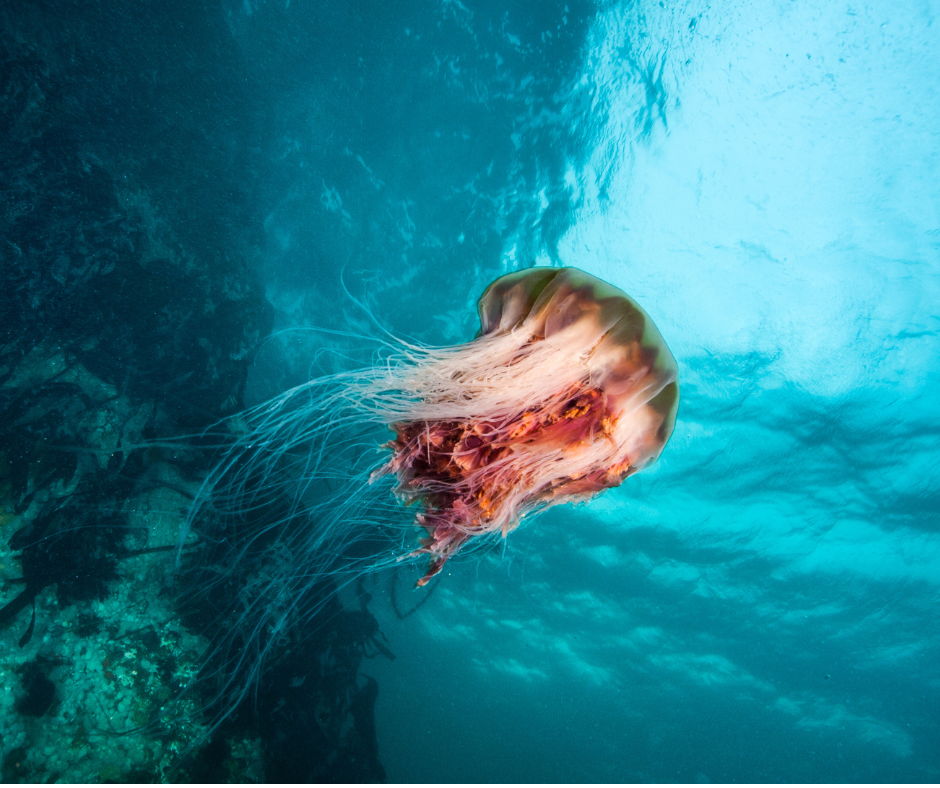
(38, 691)
(130, 312)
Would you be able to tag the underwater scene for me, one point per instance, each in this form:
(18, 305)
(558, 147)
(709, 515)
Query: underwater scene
(463, 391)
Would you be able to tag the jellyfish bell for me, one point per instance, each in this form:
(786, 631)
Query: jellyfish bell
(567, 390)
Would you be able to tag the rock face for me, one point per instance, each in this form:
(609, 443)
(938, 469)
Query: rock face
(129, 313)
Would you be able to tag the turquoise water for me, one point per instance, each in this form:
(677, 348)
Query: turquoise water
(761, 605)
(762, 178)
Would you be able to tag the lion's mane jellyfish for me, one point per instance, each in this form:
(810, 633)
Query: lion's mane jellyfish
(567, 390)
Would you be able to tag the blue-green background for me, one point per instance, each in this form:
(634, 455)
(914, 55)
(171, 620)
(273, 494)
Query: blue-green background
(763, 178)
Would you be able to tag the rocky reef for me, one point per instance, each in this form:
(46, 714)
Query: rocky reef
(131, 306)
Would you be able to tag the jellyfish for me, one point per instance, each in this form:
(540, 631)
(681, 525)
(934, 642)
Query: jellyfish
(567, 390)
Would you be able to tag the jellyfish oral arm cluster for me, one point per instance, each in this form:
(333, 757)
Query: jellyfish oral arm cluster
(568, 390)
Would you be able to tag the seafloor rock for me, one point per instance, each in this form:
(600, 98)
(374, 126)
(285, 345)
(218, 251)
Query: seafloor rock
(129, 315)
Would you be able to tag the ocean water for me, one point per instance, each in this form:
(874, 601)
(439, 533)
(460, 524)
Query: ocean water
(760, 605)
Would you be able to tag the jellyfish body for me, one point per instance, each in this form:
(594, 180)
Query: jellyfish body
(567, 390)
